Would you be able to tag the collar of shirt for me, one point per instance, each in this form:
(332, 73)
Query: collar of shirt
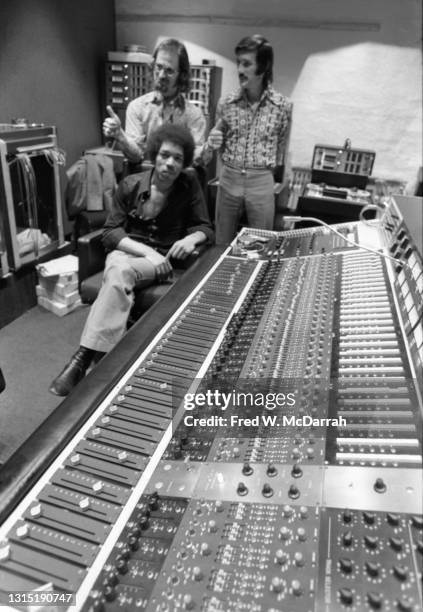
(269, 93)
(144, 187)
(177, 102)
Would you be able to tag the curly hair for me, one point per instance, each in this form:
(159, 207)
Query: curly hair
(177, 135)
(264, 55)
(183, 82)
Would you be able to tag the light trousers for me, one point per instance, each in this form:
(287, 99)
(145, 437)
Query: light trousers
(108, 316)
(238, 192)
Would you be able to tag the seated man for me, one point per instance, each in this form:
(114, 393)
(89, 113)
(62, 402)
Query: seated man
(157, 215)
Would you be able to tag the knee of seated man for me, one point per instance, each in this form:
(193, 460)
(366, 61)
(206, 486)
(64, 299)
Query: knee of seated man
(118, 270)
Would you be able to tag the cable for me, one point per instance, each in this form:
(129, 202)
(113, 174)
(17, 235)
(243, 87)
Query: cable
(332, 229)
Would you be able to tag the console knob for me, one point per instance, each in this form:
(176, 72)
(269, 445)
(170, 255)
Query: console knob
(346, 595)
(197, 573)
(281, 557)
(188, 601)
(301, 534)
(346, 565)
(379, 486)
(271, 470)
(293, 492)
(347, 516)
(393, 519)
(241, 489)
(347, 538)
(296, 587)
(372, 569)
(396, 543)
(109, 593)
(296, 471)
(400, 572)
(121, 566)
(405, 605)
(267, 490)
(247, 470)
(276, 584)
(369, 517)
(284, 533)
(375, 600)
(299, 559)
(371, 541)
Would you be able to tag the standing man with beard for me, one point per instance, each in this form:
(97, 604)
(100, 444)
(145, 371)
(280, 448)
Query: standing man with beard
(165, 104)
(251, 133)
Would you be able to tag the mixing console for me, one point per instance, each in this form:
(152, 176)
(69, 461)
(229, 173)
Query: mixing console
(263, 452)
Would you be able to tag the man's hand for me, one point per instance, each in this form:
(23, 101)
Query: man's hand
(217, 134)
(161, 264)
(112, 125)
(182, 248)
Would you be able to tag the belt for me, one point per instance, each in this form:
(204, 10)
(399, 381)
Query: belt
(248, 169)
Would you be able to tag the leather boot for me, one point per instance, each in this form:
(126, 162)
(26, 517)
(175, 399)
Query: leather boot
(73, 372)
(98, 355)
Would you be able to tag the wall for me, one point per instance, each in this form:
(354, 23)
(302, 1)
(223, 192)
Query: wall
(52, 56)
(300, 30)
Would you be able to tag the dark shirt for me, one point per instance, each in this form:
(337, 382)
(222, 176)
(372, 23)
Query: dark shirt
(185, 212)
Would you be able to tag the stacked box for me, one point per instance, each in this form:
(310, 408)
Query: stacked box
(57, 290)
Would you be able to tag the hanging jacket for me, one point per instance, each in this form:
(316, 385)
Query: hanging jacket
(91, 184)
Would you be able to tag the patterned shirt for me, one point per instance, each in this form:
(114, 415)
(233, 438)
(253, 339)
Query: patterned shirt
(254, 137)
(147, 113)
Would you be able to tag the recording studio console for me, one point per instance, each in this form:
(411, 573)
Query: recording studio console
(262, 453)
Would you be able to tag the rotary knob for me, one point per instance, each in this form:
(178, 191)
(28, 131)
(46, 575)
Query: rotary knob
(271, 470)
(369, 517)
(197, 573)
(267, 490)
(393, 519)
(400, 572)
(396, 543)
(284, 533)
(375, 600)
(281, 557)
(347, 538)
(296, 587)
(347, 516)
(296, 471)
(371, 542)
(242, 489)
(299, 559)
(247, 470)
(404, 604)
(143, 523)
(121, 566)
(293, 492)
(188, 601)
(372, 569)
(346, 596)
(346, 565)
(379, 486)
(109, 593)
(276, 584)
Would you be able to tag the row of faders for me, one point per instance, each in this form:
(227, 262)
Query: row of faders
(373, 385)
(60, 529)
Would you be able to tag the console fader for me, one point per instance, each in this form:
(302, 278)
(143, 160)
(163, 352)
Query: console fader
(141, 511)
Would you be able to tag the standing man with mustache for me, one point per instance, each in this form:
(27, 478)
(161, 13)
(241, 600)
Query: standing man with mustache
(165, 104)
(251, 134)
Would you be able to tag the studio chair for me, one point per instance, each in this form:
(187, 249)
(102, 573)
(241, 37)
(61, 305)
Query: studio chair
(91, 257)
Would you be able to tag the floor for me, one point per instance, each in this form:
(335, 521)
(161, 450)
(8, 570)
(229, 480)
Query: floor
(33, 350)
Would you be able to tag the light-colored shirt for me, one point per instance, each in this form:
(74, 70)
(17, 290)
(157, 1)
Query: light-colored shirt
(254, 136)
(147, 113)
